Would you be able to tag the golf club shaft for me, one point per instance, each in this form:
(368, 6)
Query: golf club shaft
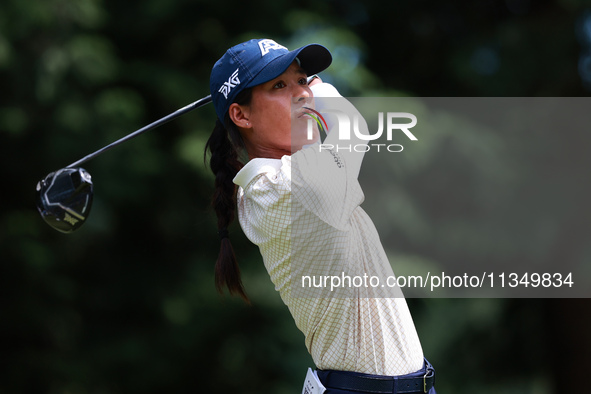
(167, 118)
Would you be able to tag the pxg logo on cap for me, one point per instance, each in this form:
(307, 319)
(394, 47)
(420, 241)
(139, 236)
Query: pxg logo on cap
(233, 81)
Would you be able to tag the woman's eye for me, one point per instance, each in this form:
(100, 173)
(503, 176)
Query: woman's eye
(303, 81)
(279, 85)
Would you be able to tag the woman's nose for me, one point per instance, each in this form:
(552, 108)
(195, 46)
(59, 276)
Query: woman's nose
(301, 91)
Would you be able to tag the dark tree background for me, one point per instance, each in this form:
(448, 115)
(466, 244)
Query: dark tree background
(127, 303)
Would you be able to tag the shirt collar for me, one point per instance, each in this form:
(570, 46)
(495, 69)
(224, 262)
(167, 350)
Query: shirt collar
(255, 167)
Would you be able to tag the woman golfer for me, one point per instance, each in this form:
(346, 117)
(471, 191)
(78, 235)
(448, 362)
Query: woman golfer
(299, 201)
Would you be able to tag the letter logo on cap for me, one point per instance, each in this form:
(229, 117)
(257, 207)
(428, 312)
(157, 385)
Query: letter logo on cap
(233, 81)
(267, 45)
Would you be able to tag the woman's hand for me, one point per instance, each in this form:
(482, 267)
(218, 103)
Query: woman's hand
(314, 80)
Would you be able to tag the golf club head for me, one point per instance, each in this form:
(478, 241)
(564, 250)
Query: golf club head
(64, 198)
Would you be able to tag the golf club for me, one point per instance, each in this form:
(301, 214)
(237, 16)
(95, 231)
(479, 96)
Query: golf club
(64, 197)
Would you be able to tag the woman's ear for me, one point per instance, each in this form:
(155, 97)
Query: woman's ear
(239, 115)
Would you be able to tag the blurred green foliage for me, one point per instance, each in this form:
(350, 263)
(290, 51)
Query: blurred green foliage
(127, 304)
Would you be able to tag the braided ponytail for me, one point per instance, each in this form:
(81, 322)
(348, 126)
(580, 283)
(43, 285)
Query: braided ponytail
(224, 146)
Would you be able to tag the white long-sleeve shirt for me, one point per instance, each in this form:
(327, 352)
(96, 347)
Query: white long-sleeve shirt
(303, 211)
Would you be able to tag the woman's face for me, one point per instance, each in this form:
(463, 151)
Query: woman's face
(274, 123)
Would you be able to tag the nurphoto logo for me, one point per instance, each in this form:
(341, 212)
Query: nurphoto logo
(346, 138)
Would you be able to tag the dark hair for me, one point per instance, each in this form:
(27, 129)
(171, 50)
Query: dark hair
(225, 146)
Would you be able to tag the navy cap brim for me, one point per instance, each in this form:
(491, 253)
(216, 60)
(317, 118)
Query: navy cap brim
(313, 58)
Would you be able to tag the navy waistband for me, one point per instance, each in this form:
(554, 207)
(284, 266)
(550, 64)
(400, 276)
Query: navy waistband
(420, 381)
